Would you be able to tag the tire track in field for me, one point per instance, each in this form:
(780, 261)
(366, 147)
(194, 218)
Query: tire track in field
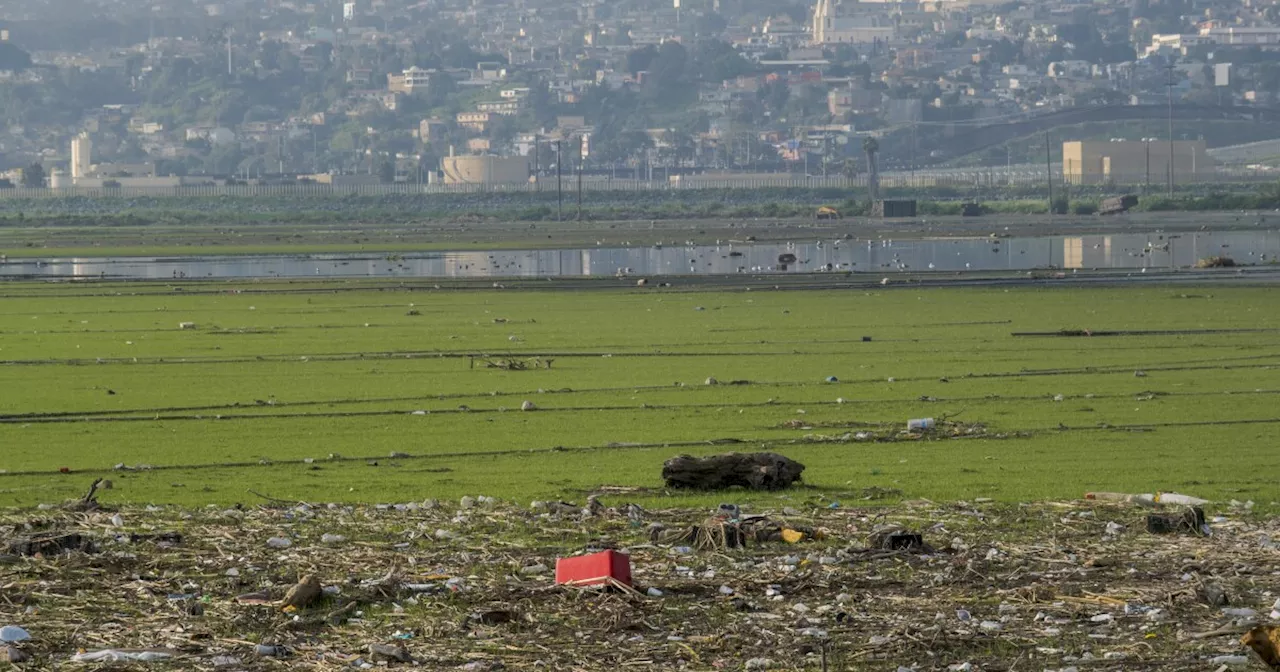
(42, 416)
(764, 443)
(137, 416)
(499, 354)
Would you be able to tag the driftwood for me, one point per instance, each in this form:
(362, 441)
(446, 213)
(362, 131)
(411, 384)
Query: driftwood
(756, 471)
(51, 543)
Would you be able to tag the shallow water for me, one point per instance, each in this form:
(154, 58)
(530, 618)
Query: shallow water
(1105, 251)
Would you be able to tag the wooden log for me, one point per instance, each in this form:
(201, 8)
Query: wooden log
(755, 471)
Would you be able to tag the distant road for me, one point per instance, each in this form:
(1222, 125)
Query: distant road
(974, 136)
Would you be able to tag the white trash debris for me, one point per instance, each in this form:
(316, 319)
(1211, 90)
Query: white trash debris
(1240, 612)
(120, 655)
(279, 542)
(12, 633)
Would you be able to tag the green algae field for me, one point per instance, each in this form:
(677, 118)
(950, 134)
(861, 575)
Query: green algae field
(195, 393)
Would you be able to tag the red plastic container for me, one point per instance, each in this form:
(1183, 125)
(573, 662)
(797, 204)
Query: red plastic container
(595, 569)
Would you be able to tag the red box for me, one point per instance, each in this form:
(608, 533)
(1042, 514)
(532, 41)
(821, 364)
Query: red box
(594, 570)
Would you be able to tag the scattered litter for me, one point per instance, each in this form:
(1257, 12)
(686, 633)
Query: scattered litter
(120, 655)
(271, 651)
(920, 424)
(597, 569)
(11, 634)
(1240, 612)
(1171, 498)
(858, 571)
(1191, 521)
(389, 653)
(12, 654)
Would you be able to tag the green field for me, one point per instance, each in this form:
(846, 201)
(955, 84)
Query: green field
(96, 375)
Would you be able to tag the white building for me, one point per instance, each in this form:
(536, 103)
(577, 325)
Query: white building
(1244, 37)
(81, 156)
(861, 29)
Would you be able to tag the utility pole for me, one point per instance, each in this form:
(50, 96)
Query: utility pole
(826, 155)
(579, 179)
(229, 68)
(1170, 85)
(537, 183)
(1048, 171)
(559, 189)
(913, 154)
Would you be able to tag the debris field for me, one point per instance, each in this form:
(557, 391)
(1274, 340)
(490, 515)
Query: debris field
(470, 585)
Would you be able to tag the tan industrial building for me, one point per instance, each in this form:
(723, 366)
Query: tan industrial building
(1134, 162)
(486, 169)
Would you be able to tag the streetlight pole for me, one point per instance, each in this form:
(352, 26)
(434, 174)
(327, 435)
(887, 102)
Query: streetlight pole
(559, 189)
(537, 170)
(1048, 171)
(1170, 87)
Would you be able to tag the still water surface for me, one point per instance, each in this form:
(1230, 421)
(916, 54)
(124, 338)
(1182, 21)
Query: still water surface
(1114, 251)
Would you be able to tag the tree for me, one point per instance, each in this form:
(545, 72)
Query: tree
(387, 172)
(439, 88)
(774, 95)
(639, 60)
(33, 176)
(668, 69)
(223, 160)
(872, 147)
(716, 61)
(13, 58)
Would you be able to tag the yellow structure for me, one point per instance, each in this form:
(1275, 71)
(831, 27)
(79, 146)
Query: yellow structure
(485, 169)
(1134, 162)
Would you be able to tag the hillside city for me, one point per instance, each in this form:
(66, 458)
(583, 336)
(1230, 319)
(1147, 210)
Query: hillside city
(104, 92)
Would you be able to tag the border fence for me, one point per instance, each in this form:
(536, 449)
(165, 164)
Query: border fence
(1018, 177)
